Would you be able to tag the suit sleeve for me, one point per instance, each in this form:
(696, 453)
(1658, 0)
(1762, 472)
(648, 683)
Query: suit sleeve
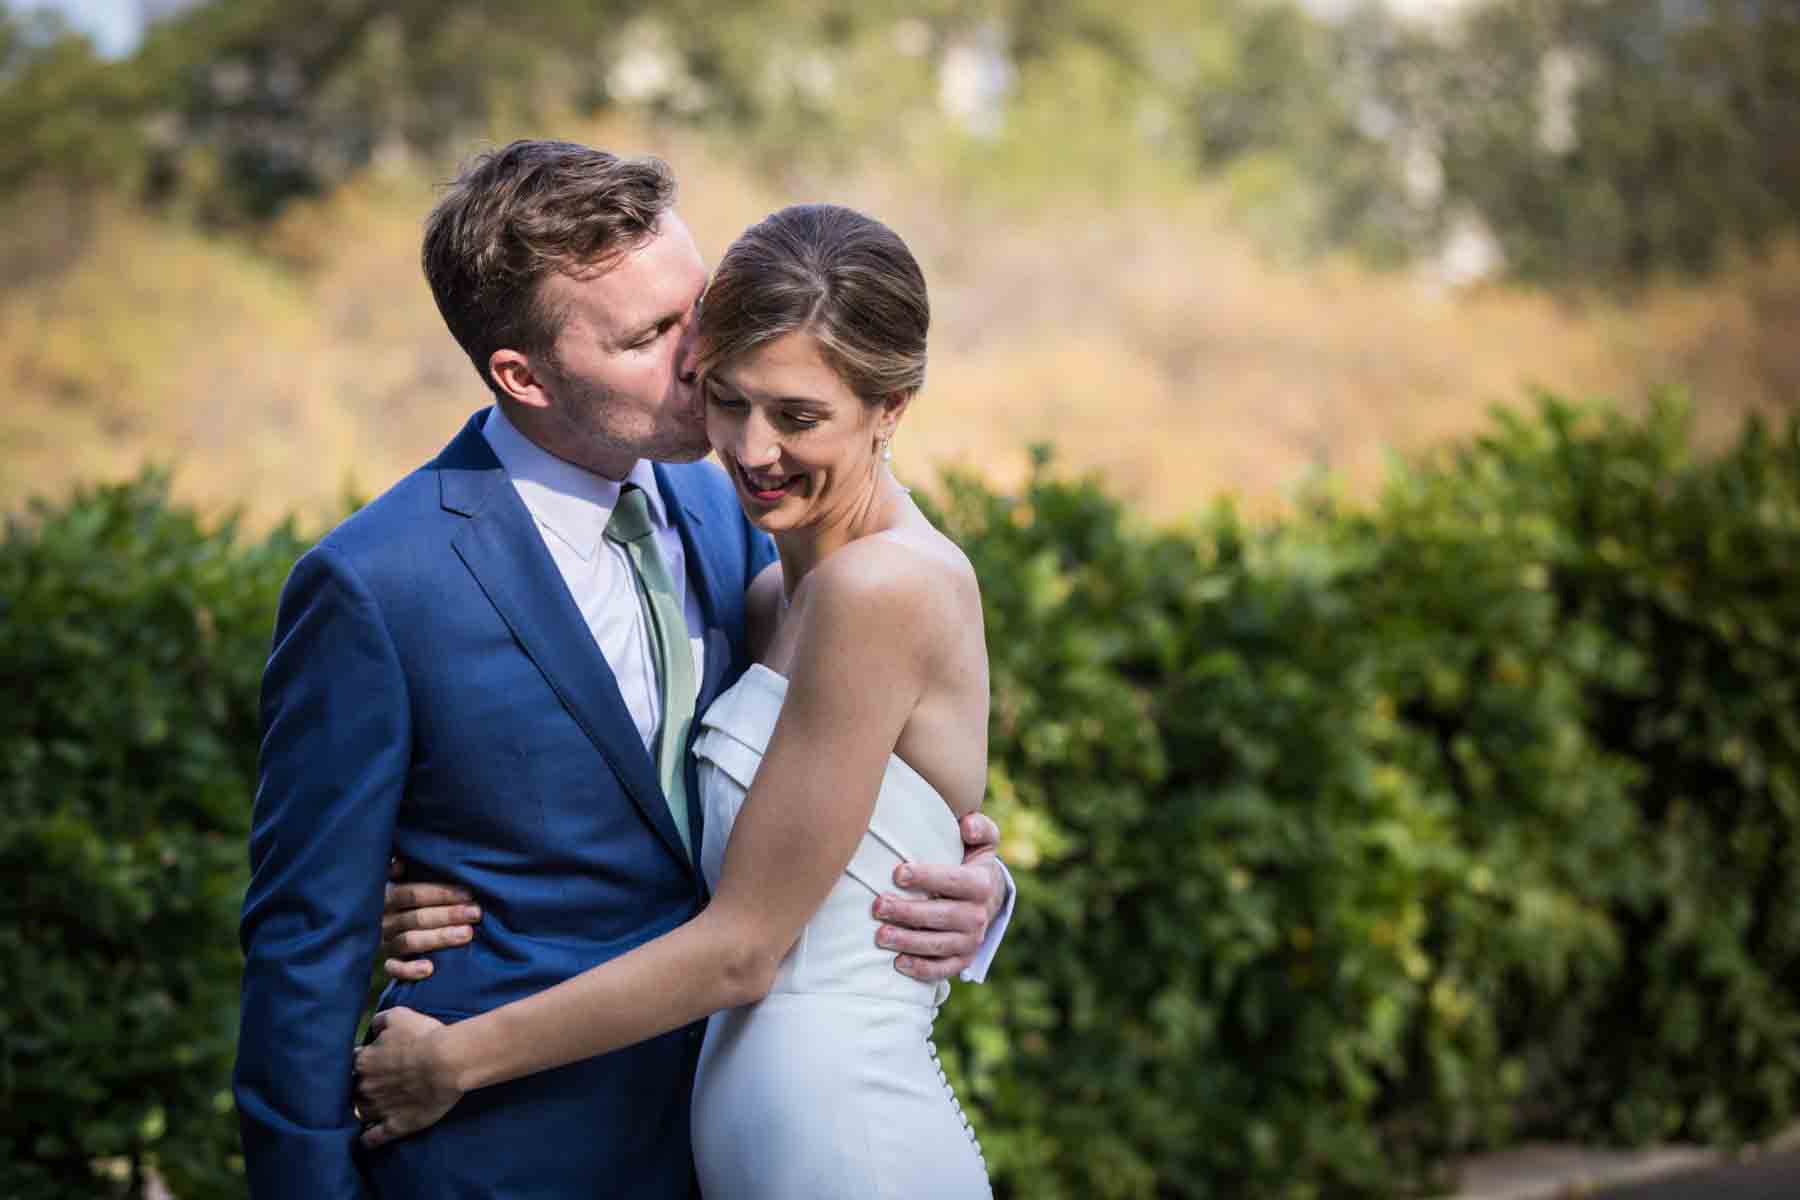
(335, 749)
(761, 548)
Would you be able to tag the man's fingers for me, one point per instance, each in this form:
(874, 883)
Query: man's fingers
(979, 833)
(402, 896)
(931, 970)
(435, 917)
(974, 882)
(938, 916)
(424, 941)
(393, 929)
(921, 943)
(407, 970)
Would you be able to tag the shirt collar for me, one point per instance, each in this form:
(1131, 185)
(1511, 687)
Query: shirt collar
(570, 501)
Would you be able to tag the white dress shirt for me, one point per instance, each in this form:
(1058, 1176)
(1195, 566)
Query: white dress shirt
(571, 507)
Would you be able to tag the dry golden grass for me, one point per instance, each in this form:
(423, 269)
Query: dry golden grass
(1142, 338)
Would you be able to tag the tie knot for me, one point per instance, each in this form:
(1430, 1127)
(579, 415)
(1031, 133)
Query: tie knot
(631, 516)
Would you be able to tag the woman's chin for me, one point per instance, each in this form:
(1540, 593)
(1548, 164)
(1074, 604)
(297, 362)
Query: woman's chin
(768, 518)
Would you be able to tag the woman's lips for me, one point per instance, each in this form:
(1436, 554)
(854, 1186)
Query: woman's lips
(759, 485)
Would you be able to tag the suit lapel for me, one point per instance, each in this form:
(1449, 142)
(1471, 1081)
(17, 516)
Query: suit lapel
(502, 548)
(704, 576)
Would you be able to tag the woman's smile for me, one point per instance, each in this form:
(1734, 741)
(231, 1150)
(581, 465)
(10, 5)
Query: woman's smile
(764, 486)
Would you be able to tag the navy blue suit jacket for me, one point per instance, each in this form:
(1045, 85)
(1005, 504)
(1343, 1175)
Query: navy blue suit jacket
(433, 692)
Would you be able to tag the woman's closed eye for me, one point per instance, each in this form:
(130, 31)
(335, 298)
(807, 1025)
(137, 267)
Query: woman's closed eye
(726, 400)
(720, 398)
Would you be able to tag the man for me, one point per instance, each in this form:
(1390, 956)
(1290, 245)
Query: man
(471, 674)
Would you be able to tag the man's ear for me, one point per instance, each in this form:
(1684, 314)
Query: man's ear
(515, 378)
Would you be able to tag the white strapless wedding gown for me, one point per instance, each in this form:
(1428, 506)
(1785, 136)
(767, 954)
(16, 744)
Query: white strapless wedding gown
(830, 1087)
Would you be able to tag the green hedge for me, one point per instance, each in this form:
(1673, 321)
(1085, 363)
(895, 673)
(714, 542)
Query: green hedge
(1344, 843)
(1384, 833)
(131, 644)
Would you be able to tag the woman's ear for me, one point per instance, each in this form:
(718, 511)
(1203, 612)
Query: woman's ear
(892, 408)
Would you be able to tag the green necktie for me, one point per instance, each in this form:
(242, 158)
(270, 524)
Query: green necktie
(630, 527)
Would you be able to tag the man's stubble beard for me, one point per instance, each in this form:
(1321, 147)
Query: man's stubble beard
(582, 430)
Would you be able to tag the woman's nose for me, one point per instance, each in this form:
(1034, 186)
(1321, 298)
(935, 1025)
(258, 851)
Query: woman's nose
(757, 445)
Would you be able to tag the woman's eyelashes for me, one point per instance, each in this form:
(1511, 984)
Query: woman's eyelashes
(719, 398)
(793, 418)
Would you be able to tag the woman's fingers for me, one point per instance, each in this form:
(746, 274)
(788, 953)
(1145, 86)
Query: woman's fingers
(378, 1134)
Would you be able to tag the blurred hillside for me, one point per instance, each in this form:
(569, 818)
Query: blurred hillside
(1198, 247)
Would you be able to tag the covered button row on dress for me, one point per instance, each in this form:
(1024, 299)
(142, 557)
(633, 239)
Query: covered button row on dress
(954, 1102)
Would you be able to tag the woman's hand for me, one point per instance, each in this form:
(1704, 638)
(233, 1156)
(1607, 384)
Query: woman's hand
(403, 1084)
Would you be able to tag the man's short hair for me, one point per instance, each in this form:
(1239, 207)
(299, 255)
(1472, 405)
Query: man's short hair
(514, 216)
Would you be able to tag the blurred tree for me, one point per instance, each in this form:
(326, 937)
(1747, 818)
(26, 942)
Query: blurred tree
(1598, 140)
(66, 113)
(1606, 140)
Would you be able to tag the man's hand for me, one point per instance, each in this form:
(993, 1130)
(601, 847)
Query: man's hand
(417, 918)
(938, 935)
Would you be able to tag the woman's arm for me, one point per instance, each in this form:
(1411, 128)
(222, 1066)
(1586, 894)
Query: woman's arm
(858, 674)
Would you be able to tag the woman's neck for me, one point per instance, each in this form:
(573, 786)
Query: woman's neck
(803, 549)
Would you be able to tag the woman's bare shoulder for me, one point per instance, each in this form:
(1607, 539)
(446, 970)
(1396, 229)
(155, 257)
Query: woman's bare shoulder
(905, 586)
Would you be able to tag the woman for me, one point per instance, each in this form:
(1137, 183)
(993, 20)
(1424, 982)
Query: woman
(856, 741)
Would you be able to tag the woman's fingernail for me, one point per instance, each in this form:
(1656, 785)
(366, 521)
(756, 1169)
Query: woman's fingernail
(470, 912)
(904, 875)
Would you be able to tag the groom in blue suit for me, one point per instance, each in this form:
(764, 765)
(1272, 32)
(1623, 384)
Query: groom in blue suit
(461, 677)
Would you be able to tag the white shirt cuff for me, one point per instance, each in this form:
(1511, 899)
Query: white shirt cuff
(976, 972)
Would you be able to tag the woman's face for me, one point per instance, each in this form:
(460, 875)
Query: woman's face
(798, 443)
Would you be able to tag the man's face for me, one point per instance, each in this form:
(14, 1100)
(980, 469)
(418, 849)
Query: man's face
(621, 379)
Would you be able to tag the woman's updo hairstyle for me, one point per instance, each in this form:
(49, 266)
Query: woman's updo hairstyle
(830, 271)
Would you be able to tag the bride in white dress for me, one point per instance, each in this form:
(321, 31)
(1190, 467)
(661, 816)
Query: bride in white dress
(855, 742)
